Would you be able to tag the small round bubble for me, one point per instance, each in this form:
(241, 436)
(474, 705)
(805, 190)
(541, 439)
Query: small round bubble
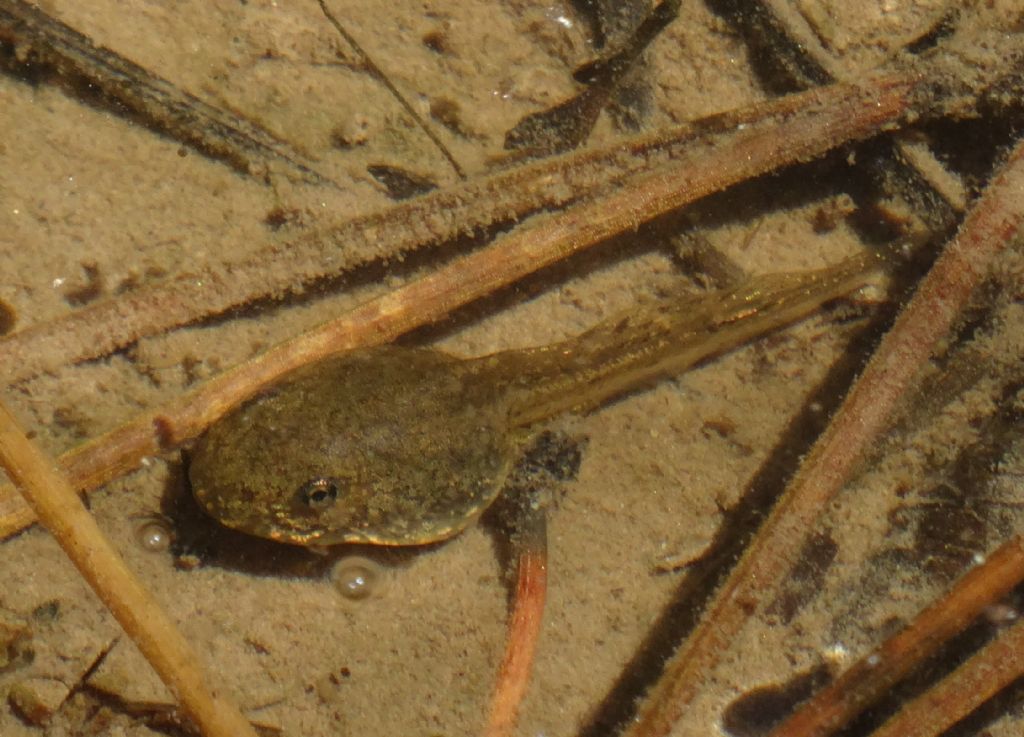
(358, 578)
(153, 535)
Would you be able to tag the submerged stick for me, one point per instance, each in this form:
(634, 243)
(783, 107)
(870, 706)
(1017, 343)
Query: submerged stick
(998, 664)
(531, 552)
(131, 89)
(708, 147)
(62, 512)
(872, 676)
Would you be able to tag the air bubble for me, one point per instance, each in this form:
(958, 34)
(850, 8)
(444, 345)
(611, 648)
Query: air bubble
(358, 578)
(153, 534)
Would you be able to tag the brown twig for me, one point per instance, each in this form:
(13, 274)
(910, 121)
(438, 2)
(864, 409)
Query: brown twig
(995, 666)
(62, 512)
(133, 90)
(849, 113)
(992, 222)
(872, 676)
(331, 248)
(530, 541)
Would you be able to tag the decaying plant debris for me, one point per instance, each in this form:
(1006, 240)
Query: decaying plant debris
(682, 452)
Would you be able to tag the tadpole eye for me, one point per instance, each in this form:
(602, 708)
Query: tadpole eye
(319, 493)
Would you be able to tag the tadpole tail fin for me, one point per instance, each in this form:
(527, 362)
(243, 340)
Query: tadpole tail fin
(669, 336)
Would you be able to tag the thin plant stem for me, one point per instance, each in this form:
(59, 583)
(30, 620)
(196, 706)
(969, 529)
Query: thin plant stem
(135, 91)
(377, 73)
(524, 626)
(62, 512)
(988, 671)
(331, 248)
(872, 676)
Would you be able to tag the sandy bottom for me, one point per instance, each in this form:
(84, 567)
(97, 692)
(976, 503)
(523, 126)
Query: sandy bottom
(91, 205)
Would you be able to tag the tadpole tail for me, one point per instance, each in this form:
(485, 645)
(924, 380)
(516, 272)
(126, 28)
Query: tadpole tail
(668, 337)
